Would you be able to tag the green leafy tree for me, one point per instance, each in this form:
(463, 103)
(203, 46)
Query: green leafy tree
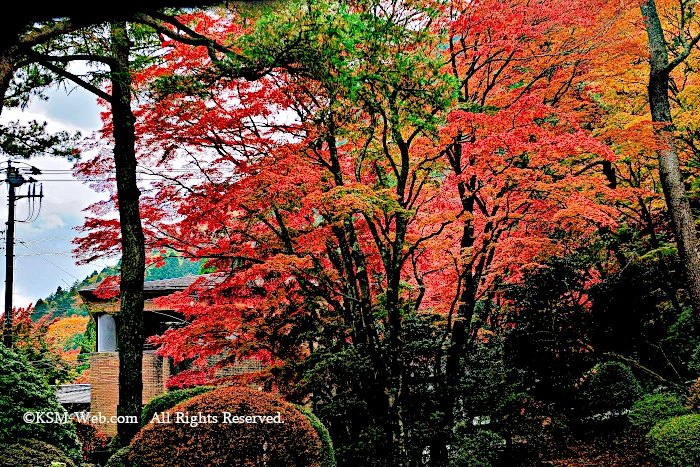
(24, 390)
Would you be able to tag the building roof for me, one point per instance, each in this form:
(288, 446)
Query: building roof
(178, 283)
(74, 394)
(151, 290)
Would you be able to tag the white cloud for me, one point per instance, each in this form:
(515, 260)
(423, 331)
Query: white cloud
(43, 248)
(19, 300)
(51, 221)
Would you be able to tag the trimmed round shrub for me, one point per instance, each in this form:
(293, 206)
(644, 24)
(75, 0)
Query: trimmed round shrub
(169, 400)
(654, 408)
(612, 388)
(676, 442)
(225, 427)
(23, 390)
(31, 453)
(327, 452)
(119, 458)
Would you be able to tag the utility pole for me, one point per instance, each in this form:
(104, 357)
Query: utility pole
(14, 180)
(9, 255)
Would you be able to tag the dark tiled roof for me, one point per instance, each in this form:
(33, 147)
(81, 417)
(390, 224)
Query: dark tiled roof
(74, 394)
(178, 283)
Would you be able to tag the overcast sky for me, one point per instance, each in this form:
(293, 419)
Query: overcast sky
(43, 248)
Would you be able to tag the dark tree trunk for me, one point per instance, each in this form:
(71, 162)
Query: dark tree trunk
(669, 165)
(130, 334)
(468, 285)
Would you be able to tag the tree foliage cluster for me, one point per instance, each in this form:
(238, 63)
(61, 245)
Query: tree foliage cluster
(406, 202)
(457, 229)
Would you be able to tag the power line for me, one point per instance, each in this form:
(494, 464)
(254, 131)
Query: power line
(51, 263)
(51, 253)
(38, 240)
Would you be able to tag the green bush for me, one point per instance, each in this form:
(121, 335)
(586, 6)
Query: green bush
(612, 388)
(119, 458)
(654, 408)
(31, 453)
(198, 434)
(676, 441)
(169, 400)
(24, 390)
(327, 451)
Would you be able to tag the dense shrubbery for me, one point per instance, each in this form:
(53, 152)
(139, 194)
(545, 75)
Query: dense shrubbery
(612, 388)
(676, 441)
(23, 390)
(479, 449)
(31, 453)
(654, 408)
(292, 443)
(91, 437)
(119, 459)
(531, 426)
(169, 400)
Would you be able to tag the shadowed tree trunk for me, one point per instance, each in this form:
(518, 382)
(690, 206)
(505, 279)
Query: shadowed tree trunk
(130, 335)
(669, 165)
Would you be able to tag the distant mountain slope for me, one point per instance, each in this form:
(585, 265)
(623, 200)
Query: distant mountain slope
(65, 302)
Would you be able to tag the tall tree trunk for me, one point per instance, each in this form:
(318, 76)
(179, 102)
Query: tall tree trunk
(459, 340)
(669, 165)
(131, 328)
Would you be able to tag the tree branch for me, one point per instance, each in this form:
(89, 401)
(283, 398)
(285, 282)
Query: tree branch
(46, 63)
(192, 38)
(40, 35)
(639, 366)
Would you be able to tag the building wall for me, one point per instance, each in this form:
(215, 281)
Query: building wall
(104, 380)
(156, 372)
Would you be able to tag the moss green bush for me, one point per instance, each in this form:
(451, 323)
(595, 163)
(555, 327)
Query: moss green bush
(31, 453)
(24, 390)
(327, 452)
(676, 442)
(265, 431)
(654, 408)
(169, 400)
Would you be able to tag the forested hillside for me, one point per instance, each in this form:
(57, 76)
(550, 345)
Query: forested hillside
(65, 302)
